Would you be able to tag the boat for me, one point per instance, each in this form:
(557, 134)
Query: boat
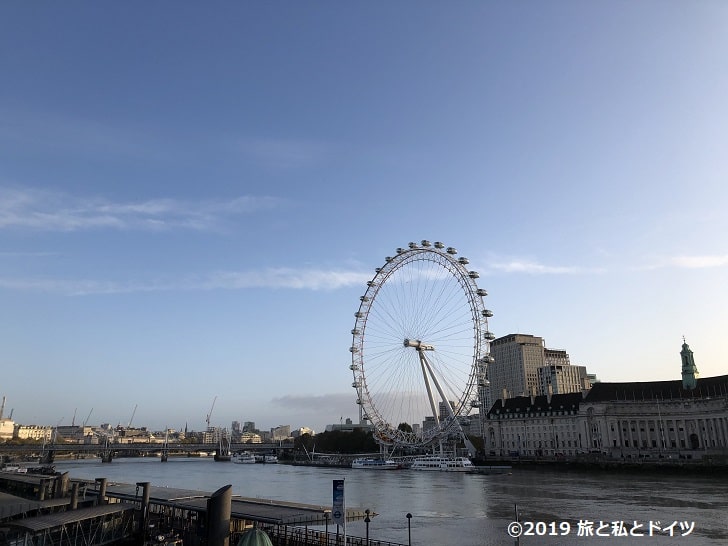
(443, 463)
(223, 451)
(374, 464)
(243, 458)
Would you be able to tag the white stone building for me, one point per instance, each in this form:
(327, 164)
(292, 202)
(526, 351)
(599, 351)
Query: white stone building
(681, 419)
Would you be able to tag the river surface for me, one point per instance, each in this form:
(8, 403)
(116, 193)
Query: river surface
(466, 509)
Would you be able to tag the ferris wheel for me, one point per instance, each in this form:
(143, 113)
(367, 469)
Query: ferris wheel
(421, 345)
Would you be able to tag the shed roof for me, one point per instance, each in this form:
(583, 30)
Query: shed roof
(59, 519)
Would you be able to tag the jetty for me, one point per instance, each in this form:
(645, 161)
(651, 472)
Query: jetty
(56, 509)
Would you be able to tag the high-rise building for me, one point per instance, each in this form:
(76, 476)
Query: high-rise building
(561, 379)
(515, 369)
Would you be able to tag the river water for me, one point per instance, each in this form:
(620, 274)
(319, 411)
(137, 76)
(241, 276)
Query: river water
(466, 509)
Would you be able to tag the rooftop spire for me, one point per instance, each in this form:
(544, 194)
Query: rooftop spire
(689, 369)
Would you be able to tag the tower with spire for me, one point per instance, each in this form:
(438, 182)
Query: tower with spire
(689, 369)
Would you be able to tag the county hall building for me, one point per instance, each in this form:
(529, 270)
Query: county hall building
(681, 419)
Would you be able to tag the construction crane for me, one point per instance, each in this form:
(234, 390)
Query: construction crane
(209, 415)
(132, 416)
(73, 421)
(87, 417)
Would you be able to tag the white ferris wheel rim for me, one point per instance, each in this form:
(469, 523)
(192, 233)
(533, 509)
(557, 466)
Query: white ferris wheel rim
(420, 335)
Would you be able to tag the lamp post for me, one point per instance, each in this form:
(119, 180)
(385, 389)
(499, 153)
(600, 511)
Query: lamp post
(409, 529)
(366, 521)
(326, 517)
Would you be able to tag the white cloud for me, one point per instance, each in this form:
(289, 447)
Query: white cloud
(286, 278)
(311, 279)
(54, 211)
(688, 262)
(699, 262)
(534, 268)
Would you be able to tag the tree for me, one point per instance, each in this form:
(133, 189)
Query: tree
(404, 427)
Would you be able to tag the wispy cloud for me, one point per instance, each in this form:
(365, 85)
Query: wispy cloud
(690, 262)
(535, 268)
(306, 279)
(282, 278)
(700, 262)
(44, 210)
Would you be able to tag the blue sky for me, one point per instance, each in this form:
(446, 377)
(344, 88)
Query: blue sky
(192, 197)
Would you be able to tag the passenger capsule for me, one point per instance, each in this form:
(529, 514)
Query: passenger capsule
(356, 384)
(388, 259)
(463, 260)
(487, 313)
(364, 299)
(473, 274)
(412, 245)
(425, 242)
(400, 250)
(378, 270)
(481, 292)
(354, 367)
(439, 245)
(489, 335)
(451, 250)
(371, 283)
(355, 332)
(358, 314)
(354, 349)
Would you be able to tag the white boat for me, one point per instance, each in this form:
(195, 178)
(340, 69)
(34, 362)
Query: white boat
(441, 463)
(266, 458)
(374, 464)
(243, 458)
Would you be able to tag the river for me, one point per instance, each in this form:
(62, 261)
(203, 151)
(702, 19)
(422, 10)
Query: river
(467, 509)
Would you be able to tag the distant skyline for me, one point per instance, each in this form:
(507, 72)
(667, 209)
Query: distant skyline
(193, 197)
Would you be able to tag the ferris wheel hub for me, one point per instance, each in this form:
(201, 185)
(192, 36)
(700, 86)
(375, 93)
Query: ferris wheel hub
(417, 344)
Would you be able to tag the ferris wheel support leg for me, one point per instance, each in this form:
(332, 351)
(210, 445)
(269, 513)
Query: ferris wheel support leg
(426, 364)
(425, 367)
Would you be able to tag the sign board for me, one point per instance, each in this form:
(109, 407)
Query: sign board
(338, 508)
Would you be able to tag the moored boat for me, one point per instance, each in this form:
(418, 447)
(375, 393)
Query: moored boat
(374, 464)
(443, 463)
(243, 458)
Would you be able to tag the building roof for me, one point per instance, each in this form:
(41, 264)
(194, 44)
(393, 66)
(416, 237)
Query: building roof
(526, 404)
(59, 519)
(707, 387)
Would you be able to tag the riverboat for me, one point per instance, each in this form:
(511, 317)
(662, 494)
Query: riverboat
(442, 463)
(243, 458)
(374, 464)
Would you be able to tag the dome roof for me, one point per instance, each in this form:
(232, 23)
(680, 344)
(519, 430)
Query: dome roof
(254, 537)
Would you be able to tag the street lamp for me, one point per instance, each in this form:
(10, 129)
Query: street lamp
(409, 529)
(326, 517)
(366, 521)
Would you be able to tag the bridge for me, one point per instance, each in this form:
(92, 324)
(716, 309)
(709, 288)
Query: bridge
(46, 453)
